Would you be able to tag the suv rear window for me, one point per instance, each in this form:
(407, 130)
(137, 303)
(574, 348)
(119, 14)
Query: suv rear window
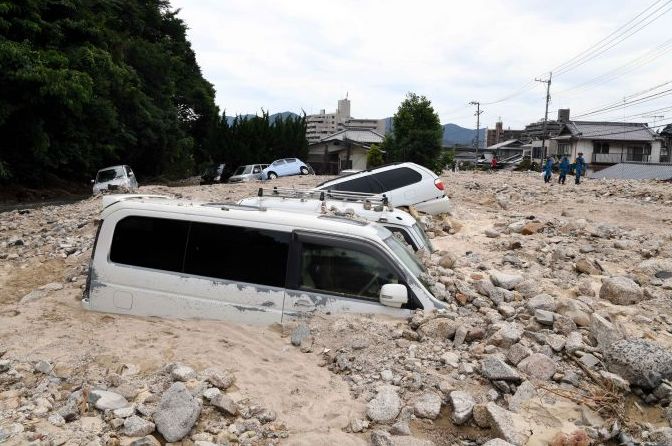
(364, 184)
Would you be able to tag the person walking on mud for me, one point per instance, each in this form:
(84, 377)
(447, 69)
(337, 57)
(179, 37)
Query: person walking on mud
(564, 170)
(579, 166)
(493, 163)
(548, 170)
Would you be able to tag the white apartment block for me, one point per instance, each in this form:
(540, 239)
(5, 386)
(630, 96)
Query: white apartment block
(324, 124)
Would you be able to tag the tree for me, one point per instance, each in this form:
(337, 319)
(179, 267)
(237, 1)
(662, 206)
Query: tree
(374, 157)
(417, 133)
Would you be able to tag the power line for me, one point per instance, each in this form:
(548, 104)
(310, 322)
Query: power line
(625, 104)
(621, 132)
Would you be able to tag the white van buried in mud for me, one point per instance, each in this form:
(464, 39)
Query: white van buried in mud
(161, 257)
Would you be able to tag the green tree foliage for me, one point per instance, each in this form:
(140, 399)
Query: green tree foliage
(374, 157)
(90, 83)
(417, 133)
(445, 160)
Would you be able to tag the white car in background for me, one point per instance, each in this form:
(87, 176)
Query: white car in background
(115, 178)
(404, 184)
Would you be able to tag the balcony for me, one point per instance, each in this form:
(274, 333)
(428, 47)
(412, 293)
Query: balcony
(615, 158)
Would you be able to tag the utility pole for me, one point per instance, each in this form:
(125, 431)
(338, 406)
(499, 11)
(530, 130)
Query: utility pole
(543, 130)
(478, 124)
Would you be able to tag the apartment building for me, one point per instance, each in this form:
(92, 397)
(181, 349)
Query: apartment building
(321, 125)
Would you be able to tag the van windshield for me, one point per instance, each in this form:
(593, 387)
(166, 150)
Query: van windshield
(109, 174)
(423, 235)
(407, 258)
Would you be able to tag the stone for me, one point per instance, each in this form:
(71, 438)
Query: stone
(494, 368)
(615, 380)
(463, 405)
(564, 324)
(33, 296)
(44, 367)
(621, 291)
(525, 392)
(517, 353)
(528, 288)
(427, 405)
(507, 425)
(211, 392)
(541, 302)
(589, 360)
(586, 267)
(56, 419)
(556, 342)
(585, 288)
(124, 412)
(492, 233)
(182, 373)
(146, 441)
(517, 226)
(135, 426)
(505, 280)
(106, 400)
(448, 260)
(531, 228)
(642, 363)
(539, 366)
(480, 416)
(544, 317)
(52, 286)
(219, 378)
(300, 332)
(358, 425)
(381, 438)
(225, 403)
(449, 358)
(661, 436)
(176, 413)
(439, 328)
(5, 365)
(508, 334)
(497, 442)
(401, 427)
(385, 406)
(604, 332)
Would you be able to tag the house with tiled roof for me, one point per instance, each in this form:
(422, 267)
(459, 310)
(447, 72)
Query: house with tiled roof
(607, 143)
(345, 149)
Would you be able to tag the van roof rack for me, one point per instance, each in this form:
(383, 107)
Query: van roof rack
(229, 206)
(375, 200)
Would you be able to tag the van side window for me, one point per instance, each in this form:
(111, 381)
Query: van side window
(238, 254)
(363, 184)
(404, 234)
(150, 243)
(343, 271)
(396, 178)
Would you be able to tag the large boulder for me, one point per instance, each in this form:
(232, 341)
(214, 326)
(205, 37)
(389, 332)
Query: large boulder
(621, 291)
(463, 405)
(439, 328)
(385, 406)
(427, 405)
(507, 425)
(177, 412)
(642, 363)
(604, 332)
(496, 369)
(539, 366)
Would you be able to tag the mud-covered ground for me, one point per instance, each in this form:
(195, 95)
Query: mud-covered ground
(532, 345)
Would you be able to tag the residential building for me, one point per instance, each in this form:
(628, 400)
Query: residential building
(499, 134)
(608, 143)
(506, 149)
(666, 149)
(345, 149)
(324, 124)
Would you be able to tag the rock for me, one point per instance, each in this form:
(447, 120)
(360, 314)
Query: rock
(525, 392)
(544, 317)
(44, 367)
(52, 286)
(137, 427)
(219, 378)
(507, 335)
(448, 260)
(492, 233)
(556, 342)
(146, 441)
(300, 332)
(539, 366)
(531, 228)
(463, 405)
(589, 360)
(358, 425)
(621, 291)
(386, 405)
(541, 302)
(585, 288)
(56, 419)
(428, 405)
(604, 332)
(661, 436)
(517, 227)
(124, 412)
(182, 373)
(586, 267)
(517, 353)
(623, 244)
(493, 368)
(449, 358)
(497, 442)
(565, 325)
(439, 328)
(106, 400)
(176, 413)
(401, 427)
(210, 393)
(528, 288)
(507, 425)
(5, 365)
(615, 380)
(643, 363)
(225, 403)
(33, 296)
(505, 280)
(381, 438)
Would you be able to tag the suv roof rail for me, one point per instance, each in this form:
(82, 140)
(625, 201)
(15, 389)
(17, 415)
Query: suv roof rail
(109, 200)
(229, 206)
(323, 195)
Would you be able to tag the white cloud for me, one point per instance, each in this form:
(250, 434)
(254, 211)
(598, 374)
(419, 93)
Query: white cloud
(304, 54)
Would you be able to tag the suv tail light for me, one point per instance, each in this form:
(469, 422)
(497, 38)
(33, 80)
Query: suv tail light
(439, 184)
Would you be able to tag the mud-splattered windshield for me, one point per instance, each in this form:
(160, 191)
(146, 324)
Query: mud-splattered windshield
(409, 260)
(109, 174)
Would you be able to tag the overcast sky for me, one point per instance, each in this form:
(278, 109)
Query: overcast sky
(298, 55)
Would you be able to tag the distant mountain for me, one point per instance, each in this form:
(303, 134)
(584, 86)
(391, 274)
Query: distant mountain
(452, 134)
(271, 118)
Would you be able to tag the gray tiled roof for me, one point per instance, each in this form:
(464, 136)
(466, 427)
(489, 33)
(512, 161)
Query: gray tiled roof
(612, 131)
(507, 143)
(635, 171)
(364, 136)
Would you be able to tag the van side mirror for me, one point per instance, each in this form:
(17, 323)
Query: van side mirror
(393, 295)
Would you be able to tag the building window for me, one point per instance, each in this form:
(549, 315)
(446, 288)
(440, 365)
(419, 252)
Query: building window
(601, 147)
(664, 155)
(536, 152)
(564, 149)
(638, 153)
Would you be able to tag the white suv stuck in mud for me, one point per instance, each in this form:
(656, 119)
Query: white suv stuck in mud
(161, 257)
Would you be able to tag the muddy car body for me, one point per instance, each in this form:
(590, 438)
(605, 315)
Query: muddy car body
(249, 172)
(166, 258)
(115, 178)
